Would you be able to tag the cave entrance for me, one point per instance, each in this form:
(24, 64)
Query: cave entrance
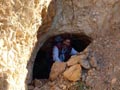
(41, 68)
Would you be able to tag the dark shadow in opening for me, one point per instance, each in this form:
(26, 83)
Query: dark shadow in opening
(43, 61)
(40, 64)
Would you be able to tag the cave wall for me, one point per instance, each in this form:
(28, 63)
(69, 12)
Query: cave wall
(25, 25)
(98, 19)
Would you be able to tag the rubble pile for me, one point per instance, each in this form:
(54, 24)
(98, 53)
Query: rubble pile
(64, 75)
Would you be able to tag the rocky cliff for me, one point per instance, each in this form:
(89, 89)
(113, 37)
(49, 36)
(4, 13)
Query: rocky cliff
(25, 25)
(20, 20)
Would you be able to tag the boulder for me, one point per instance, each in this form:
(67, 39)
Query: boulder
(73, 60)
(73, 73)
(76, 59)
(57, 69)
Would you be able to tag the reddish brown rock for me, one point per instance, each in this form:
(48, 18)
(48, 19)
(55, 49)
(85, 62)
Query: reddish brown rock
(93, 62)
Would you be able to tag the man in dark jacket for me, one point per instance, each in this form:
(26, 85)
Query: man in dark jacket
(63, 51)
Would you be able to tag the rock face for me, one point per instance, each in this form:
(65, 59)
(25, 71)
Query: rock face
(26, 24)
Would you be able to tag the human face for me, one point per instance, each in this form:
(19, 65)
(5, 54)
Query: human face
(67, 42)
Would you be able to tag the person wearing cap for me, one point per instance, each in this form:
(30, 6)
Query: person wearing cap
(63, 50)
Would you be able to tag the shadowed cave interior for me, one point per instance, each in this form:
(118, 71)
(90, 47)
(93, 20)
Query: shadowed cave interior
(43, 61)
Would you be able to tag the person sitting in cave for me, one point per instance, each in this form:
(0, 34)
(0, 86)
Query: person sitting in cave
(63, 50)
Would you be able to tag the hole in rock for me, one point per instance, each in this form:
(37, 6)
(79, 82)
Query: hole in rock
(43, 61)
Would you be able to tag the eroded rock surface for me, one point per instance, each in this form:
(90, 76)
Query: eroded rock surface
(57, 69)
(73, 73)
(26, 24)
(63, 76)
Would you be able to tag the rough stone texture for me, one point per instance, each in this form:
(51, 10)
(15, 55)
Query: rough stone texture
(37, 83)
(57, 69)
(19, 22)
(73, 73)
(85, 63)
(20, 19)
(73, 60)
(91, 76)
(93, 62)
(30, 87)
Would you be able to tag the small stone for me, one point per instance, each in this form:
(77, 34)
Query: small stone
(30, 87)
(73, 73)
(45, 87)
(85, 64)
(36, 88)
(89, 81)
(113, 81)
(92, 72)
(57, 69)
(37, 83)
(84, 77)
(51, 83)
(55, 88)
(63, 87)
(93, 62)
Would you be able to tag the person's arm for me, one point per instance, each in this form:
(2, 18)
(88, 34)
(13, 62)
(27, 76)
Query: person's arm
(56, 54)
(73, 52)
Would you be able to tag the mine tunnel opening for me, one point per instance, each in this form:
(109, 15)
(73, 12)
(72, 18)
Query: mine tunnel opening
(43, 61)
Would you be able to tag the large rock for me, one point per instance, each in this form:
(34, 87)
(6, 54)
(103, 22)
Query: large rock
(57, 69)
(73, 60)
(73, 73)
(78, 59)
